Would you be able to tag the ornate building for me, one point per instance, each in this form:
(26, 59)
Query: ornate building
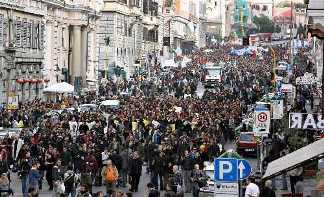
(45, 42)
(127, 31)
(22, 30)
(70, 42)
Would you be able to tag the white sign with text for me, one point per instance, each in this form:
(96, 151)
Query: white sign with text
(306, 121)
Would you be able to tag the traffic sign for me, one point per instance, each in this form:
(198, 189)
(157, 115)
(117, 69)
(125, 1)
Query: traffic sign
(231, 169)
(225, 169)
(262, 117)
(261, 122)
(244, 169)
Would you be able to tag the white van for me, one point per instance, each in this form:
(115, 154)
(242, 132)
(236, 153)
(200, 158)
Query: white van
(213, 76)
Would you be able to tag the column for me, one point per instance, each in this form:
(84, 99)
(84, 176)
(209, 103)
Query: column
(76, 59)
(84, 55)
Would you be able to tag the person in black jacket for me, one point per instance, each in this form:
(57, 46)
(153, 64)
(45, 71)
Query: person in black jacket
(152, 191)
(267, 191)
(135, 171)
(25, 166)
(158, 169)
(187, 167)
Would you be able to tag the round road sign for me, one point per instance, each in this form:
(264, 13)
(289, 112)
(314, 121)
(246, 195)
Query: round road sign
(262, 117)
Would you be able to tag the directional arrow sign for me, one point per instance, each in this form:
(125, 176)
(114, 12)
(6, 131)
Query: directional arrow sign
(244, 169)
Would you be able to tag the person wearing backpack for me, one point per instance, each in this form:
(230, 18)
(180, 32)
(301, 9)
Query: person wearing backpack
(110, 174)
(69, 182)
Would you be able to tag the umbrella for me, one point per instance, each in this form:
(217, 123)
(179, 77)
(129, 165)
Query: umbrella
(231, 154)
(60, 88)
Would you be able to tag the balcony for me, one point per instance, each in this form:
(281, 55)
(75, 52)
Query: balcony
(13, 3)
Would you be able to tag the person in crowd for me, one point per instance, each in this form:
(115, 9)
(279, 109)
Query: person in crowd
(32, 192)
(135, 171)
(34, 176)
(252, 189)
(267, 191)
(5, 189)
(125, 165)
(110, 174)
(294, 177)
(83, 192)
(198, 179)
(187, 167)
(25, 166)
(70, 182)
(176, 181)
(58, 178)
(152, 192)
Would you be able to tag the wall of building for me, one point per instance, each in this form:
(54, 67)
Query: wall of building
(21, 49)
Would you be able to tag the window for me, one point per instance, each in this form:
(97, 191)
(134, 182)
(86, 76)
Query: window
(1, 29)
(145, 6)
(63, 41)
(264, 8)
(18, 32)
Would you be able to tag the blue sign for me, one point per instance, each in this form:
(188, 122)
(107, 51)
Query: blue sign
(225, 169)
(244, 169)
(231, 169)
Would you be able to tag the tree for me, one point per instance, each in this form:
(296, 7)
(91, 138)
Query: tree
(264, 24)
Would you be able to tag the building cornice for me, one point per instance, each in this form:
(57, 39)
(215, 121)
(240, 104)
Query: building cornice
(72, 8)
(13, 5)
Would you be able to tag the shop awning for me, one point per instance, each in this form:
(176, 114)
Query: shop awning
(295, 159)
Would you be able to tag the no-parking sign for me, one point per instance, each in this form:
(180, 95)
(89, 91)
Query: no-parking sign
(261, 122)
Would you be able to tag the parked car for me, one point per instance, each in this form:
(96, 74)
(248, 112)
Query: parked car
(247, 144)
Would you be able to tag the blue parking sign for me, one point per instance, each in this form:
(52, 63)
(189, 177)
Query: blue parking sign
(226, 169)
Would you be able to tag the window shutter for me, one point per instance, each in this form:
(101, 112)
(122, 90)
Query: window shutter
(41, 35)
(1, 29)
(29, 34)
(36, 35)
(18, 32)
(5, 31)
(32, 42)
(24, 33)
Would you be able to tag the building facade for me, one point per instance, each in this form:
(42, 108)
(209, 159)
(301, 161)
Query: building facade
(262, 7)
(70, 43)
(127, 31)
(22, 30)
(216, 18)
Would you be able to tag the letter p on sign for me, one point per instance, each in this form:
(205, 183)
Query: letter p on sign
(225, 169)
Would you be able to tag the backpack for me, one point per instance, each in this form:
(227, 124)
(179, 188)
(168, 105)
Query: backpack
(111, 174)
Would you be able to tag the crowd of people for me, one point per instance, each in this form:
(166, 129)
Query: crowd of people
(161, 124)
